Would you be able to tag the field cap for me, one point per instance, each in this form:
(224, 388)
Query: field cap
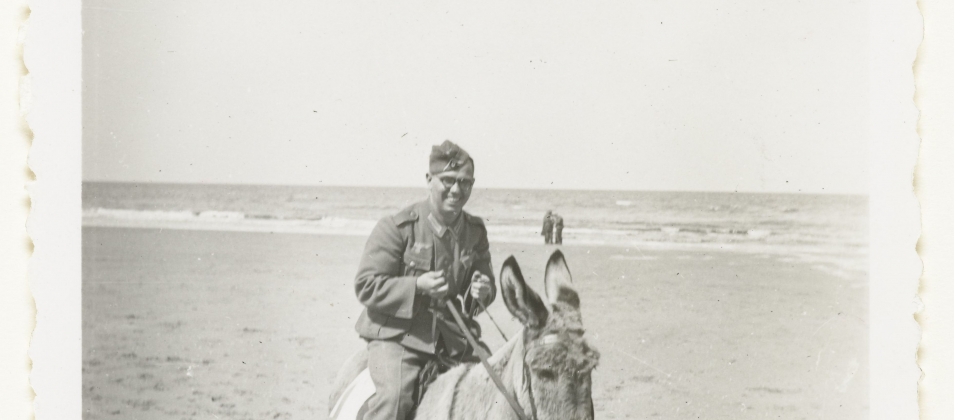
(448, 157)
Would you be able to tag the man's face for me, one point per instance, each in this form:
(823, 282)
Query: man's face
(450, 190)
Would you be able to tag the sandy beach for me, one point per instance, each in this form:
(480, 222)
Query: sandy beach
(184, 324)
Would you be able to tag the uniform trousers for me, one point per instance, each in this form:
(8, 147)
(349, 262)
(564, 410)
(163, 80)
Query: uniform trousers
(394, 370)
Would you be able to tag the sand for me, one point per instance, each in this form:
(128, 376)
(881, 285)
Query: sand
(199, 325)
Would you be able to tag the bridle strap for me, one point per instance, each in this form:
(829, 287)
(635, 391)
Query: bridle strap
(482, 354)
(492, 320)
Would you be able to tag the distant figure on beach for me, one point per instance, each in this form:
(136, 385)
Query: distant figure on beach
(547, 231)
(557, 228)
(414, 261)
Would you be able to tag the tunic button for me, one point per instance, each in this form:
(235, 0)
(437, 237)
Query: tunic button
(412, 263)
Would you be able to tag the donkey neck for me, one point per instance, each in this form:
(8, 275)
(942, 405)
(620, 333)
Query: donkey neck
(508, 363)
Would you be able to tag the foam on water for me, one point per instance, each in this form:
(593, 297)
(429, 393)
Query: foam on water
(728, 221)
(223, 221)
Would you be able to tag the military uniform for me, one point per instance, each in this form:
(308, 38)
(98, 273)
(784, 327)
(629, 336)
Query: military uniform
(557, 228)
(547, 230)
(404, 328)
(401, 248)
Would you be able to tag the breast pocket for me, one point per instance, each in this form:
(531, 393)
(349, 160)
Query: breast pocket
(418, 259)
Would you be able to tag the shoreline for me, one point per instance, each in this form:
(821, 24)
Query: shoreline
(227, 222)
(839, 261)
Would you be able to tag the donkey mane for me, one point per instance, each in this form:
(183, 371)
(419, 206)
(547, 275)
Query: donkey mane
(466, 391)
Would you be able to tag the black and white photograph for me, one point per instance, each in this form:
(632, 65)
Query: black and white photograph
(491, 210)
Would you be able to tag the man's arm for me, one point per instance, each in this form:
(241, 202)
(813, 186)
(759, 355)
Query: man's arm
(379, 284)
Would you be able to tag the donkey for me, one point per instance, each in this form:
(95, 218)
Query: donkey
(546, 366)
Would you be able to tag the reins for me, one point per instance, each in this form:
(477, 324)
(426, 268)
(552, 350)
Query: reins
(483, 355)
(492, 320)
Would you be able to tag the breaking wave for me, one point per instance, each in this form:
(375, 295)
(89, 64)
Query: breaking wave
(224, 221)
(679, 236)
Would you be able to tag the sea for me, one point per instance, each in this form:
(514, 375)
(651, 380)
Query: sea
(805, 224)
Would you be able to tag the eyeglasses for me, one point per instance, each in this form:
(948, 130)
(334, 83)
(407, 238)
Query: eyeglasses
(465, 183)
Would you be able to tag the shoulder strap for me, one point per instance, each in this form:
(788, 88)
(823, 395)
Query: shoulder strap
(409, 234)
(405, 221)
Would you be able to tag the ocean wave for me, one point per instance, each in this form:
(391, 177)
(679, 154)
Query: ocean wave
(718, 237)
(827, 253)
(837, 258)
(223, 220)
(221, 215)
(139, 214)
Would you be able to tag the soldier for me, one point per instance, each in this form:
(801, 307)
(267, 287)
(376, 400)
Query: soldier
(413, 261)
(547, 231)
(557, 228)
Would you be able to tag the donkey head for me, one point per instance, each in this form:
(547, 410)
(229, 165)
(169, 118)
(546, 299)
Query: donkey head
(558, 357)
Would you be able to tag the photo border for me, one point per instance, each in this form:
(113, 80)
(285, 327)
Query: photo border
(53, 57)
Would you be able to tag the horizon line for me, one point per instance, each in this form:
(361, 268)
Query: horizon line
(483, 188)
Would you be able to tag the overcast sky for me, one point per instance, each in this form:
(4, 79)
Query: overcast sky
(650, 95)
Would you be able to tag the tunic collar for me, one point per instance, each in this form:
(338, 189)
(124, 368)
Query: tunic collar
(439, 228)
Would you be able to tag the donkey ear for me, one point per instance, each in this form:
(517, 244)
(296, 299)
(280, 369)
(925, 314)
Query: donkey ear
(521, 300)
(559, 282)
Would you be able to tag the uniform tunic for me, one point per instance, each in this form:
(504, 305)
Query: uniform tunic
(401, 248)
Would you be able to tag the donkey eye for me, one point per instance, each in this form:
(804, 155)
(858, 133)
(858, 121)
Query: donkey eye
(546, 374)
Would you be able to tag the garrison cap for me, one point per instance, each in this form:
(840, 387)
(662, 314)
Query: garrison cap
(448, 157)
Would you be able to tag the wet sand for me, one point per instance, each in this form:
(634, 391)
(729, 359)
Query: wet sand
(198, 324)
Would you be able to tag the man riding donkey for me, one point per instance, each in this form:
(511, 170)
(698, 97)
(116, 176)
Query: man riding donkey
(413, 262)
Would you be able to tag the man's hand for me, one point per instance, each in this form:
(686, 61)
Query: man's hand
(480, 287)
(432, 284)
